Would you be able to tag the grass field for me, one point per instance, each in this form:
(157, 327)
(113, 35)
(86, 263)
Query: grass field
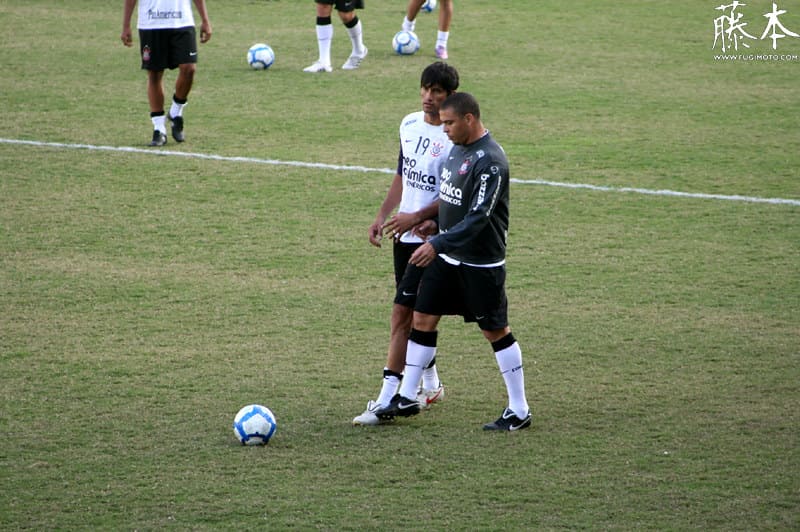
(144, 299)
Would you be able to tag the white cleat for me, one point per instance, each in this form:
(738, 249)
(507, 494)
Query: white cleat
(354, 61)
(318, 67)
(368, 417)
(426, 398)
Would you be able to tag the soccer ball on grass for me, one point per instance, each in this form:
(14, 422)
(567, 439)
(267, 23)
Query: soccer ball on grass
(429, 6)
(254, 425)
(260, 56)
(405, 42)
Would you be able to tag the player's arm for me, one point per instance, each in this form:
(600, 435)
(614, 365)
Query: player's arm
(390, 203)
(491, 178)
(205, 23)
(127, 12)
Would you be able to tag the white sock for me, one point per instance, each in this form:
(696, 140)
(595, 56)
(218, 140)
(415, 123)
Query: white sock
(441, 38)
(324, 38)
(430, 378)
(510, 362)
(176, 109)
(388, 389)
(409, 25)
(356, 37)
(417, 359)
(159, 123)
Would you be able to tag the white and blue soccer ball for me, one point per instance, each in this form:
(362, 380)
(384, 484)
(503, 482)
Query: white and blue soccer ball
(429, 6)
(260, 56)
(405, 42)
(254, 425)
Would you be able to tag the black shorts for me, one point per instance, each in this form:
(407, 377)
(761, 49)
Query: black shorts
(477, 294)
(406, 276)
(345, 6)
(168, 48)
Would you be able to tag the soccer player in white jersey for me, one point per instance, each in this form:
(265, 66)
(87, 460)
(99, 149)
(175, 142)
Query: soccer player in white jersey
(167, 40)
(414, 192)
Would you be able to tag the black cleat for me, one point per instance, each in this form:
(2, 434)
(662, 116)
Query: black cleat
(159, 138)
(177, 128)
(509, 421)
(398, 406)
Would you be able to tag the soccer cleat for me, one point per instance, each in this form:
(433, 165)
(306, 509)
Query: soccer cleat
(354, 61)
(177, 128)
(509, 421)
(159, 138)
(318, 67)
(398, 406)
(441, 52)
(426, 398)
(368, 417)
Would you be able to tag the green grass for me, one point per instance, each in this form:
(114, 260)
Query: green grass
(145, 299)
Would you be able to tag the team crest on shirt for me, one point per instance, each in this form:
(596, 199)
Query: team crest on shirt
(465, 166)
(436, 149)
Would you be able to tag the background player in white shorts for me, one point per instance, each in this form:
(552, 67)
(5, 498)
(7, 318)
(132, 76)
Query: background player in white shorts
(167, 40)
(414, 191)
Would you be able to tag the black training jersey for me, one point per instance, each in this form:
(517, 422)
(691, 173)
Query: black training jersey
(473, 204)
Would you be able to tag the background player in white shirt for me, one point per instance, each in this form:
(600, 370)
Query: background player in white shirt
(414, 191)
(167, 40)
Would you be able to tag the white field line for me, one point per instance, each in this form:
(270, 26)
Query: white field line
(301, 164)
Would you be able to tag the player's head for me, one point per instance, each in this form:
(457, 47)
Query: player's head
(461, 116)
(441, 74)
(462, 104)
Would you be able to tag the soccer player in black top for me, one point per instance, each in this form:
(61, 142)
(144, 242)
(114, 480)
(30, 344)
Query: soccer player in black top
(465, 263)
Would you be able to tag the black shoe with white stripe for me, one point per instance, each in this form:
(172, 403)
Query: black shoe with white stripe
(398, 406)
(509, 421)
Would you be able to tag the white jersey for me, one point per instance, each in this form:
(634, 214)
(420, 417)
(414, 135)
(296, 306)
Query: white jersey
(423, 152)
(165, 14)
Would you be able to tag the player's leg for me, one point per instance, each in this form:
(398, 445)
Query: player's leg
(487, 302)
(324, 30)
(442, 36)
(409, 21)
(356, 33)
(434, 291)
(155, 97)
(185, 53)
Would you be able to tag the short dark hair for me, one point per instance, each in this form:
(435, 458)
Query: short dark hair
(462, 103)
(441, 74)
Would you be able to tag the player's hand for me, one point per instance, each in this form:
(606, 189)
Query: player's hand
(423, 255)
(399, 224)
(376, 233)
(426, 229)
(126, 37)
(205, 32)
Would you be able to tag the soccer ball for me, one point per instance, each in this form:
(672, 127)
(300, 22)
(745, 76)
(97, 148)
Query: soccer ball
(405, 42)
(254, 425)
(429, 6)
(260, 56)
